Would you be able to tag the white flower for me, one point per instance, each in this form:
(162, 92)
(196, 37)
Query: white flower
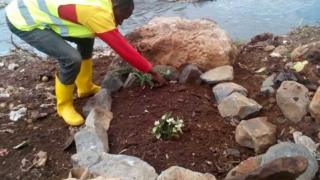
(174, 130)
(158, 136)
(163, 117)
(170, 120)
(154, 130)
(156, 123)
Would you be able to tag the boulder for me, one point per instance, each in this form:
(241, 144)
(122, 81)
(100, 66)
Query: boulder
(288, 149)
(85, 159)
(190, 74)
(217, 75)
(179, 173)
(293, 100)
(314, 107)
(238, 106)
(256, 133)
(223, 90)
(306, 141)
(175, 41)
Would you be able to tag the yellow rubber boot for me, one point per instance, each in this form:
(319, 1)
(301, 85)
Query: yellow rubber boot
(84, 80)
(65, 109)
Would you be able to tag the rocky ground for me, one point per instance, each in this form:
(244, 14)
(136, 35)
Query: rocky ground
(27, 89)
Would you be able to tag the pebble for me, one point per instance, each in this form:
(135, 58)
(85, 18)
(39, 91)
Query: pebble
(13, 66)
(44, 78)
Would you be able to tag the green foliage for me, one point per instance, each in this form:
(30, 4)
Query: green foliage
(167, 127)
(143, 78)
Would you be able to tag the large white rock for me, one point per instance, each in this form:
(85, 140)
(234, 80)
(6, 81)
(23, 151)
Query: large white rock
(293, 100)
(99, 118)
(223, 90)
(219, 74)
(314, 106)
(257, 133)
(238, 106)
(179, 173)
(175, 41)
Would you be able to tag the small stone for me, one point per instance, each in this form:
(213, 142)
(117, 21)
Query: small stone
(3, 105)
(284, 76)
(219, 74)
(314, 107)
(190, 74)
(233, 152)
(267, 85)
(112, 82)
(223, 90)
(275, 55)
(44, 78)
(13, 66)
(93, 139)
(18, 114)
(101, 100)
(306, 141)
(130, 80)
(179, 173)
(293, 100)
(245, 167)
(269, 48)
(237, 105)
(256, 133)
(288, 149)
(99, 118)
(4, 93)
(282, 50)
(1, 64)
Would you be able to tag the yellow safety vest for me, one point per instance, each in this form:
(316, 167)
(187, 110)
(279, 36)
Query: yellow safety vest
(27, 15)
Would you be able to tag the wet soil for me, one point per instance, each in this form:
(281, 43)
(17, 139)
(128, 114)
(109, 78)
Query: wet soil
(206, 145)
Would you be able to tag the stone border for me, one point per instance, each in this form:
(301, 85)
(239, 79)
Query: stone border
(233, 104)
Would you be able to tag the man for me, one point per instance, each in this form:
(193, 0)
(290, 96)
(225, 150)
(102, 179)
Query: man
(46, 24)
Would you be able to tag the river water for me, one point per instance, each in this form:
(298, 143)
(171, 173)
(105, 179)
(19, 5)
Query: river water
(242, 19)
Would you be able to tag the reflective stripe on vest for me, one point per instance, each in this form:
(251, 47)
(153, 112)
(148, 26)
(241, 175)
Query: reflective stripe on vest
(24, 11)
(57, 21)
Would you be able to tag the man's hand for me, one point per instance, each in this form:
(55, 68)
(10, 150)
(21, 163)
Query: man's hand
(160, 81)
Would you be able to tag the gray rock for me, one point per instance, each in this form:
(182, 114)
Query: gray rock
(90, 139)
(245, 167)
(18, 114)
(267, 85)
(269, 48)
(112, 82)
(256, 133)
(286, 168)
(131, 79)
(293, 100)
(123, 167)
(238, 106)
(99, 118)
(102, 100)
(284, 76)
(282, 50)
(223, 90)
(217, 75)
(179, 173)
(288, 149)
(190, 74)
(85, 159)
(168, 72)
(306, 141)
(314, 107)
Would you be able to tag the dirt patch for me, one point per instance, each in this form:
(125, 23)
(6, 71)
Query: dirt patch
(203, 147)
(47, 133)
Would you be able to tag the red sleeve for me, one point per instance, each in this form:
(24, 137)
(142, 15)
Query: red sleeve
(119, 44)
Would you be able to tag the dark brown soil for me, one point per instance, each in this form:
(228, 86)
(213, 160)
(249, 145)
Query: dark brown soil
(204, 143)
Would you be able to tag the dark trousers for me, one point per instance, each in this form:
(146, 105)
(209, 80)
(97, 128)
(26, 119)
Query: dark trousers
(52, 44)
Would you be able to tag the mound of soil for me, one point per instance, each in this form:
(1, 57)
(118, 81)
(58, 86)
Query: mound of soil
(206, 140)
